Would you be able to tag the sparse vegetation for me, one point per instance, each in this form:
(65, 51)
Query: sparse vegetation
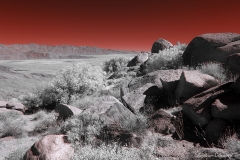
(115, 64)
(166, 59)
(214, 69)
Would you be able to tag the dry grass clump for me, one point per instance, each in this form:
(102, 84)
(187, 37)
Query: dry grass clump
(103, 152)
(46, 122)
(12, 124)
(167, 59)
(214, 69)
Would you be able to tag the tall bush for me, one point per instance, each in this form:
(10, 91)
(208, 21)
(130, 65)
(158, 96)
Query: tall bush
(115, 64)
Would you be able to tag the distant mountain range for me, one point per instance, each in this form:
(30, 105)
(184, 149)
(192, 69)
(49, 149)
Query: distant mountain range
(35, 51)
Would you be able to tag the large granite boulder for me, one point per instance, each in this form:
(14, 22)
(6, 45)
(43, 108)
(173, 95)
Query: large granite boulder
(50, 147)
(160, 44)
(135, 100)
(111, 109)
(155, 77)
(138, 60)
(211, 47)
(192, 83)
(16, 106)
(227, 107)
(198, 108)
(233, 63)
(66, 111)
(134, 92)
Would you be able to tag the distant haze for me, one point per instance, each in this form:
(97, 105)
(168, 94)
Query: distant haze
(122, 24)
(35, 51)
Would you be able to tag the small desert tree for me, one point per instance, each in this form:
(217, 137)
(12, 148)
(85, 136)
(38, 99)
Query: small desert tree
(70, 83)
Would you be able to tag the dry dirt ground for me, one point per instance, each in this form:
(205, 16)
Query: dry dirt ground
(18, 77)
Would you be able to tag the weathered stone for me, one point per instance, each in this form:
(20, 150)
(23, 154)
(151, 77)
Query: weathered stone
(138, 60)
(227, 107)
(50, 147)
(66, 111)
(192, 83)
(198, 108)
(160, 44)
(154, 77)
(211, 47)
(233, 63)
(16, 106)
(135, 100)
(111, 109)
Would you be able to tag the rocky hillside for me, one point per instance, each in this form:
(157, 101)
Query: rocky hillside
(35, 51)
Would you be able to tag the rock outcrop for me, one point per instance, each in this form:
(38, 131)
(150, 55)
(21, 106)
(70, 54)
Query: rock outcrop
(66, 111)
(211, 47)
(160, 44)
(138, 60)
(198, 108)
(50, 147)
(192, 83)
(227, 107)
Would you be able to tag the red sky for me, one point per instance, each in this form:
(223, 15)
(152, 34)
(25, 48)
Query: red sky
(114, 24)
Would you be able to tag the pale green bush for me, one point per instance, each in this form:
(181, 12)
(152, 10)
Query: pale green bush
(115, 64)
(69, 84)
(166, 59)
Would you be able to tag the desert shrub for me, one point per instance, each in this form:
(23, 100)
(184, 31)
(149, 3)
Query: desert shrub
(46, 121)
(214, 69)
(78, 80)
(166, 59)
(136, 124)
(180, 46)
(82, 128)
(115, 64)
(68, 85)
(84, 102)
(12, 124)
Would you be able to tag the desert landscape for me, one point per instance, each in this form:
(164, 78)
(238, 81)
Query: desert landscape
(178, 101)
